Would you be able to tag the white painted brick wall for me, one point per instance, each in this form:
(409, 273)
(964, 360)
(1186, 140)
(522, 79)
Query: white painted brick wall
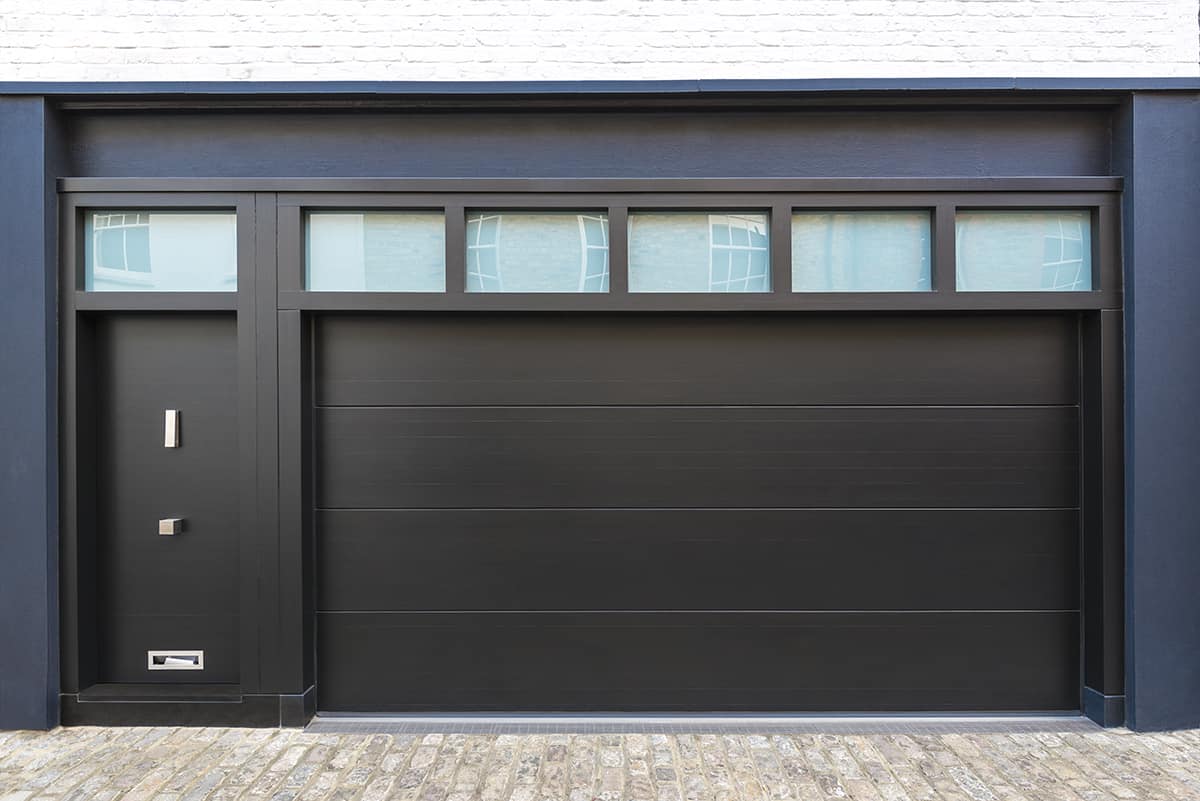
(135, 40)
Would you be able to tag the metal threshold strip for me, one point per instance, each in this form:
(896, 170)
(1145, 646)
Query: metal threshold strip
(618, 723)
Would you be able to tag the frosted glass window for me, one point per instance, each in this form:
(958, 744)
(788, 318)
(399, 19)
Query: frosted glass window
(699, 252)
(1023, 251)
(160, 251)
(860, 251)
(557, 251)
(376, 251)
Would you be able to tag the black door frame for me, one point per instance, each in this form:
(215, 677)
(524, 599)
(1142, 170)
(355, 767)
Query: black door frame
(278, 671)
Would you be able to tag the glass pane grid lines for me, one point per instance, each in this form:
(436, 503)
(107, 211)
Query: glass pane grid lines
(537, 251)
(593, 271)
(1063, 267)
(739, 253)
(483, 256)
(153, 250)
(703, 251)
(1018, 250)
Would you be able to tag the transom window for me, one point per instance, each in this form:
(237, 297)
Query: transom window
(861, 251)
(138, 250)
(1030, 251)
(686, 251)
(555, 251)
(376, 251)
(939, 243)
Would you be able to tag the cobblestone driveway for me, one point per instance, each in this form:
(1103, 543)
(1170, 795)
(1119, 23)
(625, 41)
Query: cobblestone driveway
(176, 764)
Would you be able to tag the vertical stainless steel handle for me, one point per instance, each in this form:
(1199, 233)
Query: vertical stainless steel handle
(171, 428)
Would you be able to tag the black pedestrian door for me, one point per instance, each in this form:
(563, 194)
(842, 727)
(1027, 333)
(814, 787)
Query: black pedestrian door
(166, 441)
(697, 512)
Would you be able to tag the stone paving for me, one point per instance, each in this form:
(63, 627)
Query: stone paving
(179, 764)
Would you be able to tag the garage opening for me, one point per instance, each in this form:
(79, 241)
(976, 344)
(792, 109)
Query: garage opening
(592, 445)
(697, 512)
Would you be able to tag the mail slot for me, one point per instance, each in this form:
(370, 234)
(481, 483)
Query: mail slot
(175, 660)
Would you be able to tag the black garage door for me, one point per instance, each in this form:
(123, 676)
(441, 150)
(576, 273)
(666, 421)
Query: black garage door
(697, 512)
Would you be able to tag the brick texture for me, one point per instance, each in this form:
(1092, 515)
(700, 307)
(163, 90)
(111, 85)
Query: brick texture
(136, 40)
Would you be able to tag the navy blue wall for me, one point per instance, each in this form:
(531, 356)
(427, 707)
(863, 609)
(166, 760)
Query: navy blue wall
(1158, 140)
(28, 418)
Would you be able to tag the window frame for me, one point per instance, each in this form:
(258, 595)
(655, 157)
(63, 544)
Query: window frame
(74, 209)
(291, 199)
(276, 331)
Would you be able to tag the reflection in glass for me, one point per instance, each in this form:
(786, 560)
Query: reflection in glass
(160, 251)
(1023, 251)
(556, 251)
(376, 251)
(860, 251)
(682, 251)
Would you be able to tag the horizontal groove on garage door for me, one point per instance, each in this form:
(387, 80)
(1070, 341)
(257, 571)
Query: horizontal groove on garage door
(762, 661)
(726, 360)
(704, 457)
(697, 559)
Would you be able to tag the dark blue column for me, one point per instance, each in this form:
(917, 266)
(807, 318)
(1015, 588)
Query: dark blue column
(1158, 146)
(28, 417)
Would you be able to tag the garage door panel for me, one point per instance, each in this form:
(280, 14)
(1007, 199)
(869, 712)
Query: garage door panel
(649, 662)
(697, 512)
(827, 559)
(713, 457)
(492, 360)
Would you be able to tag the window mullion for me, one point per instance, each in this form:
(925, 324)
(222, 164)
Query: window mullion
(618, 249)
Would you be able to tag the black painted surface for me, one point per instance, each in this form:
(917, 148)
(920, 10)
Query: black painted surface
(1106, 710)
(166, 592)
(878, 359)
(296, 518)
(261, 711)
(29, 649)
(826, 559)
(700, 661)
(646, 144)
(632, 467)
(719, 456)
(1102, 428)
(161, 692)
(295, 711)
(1159, 143)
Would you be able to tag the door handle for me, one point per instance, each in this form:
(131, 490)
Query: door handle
(170, 526)
(171, 428)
